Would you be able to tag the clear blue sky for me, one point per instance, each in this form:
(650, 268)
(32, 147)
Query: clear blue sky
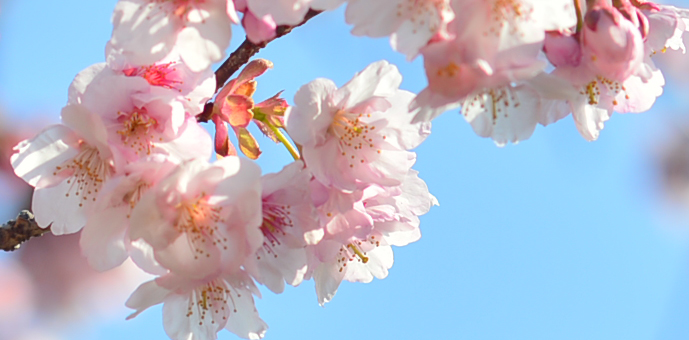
(554, 238)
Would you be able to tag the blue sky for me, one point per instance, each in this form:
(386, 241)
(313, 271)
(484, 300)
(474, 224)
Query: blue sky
(553, 238)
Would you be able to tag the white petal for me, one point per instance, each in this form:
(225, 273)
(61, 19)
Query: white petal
(103, 237)
(142, 255)
(203, 43)
(146, 295)
(379, 79)
(310, 103)
(327, 278)
(37, 158)
(66, 213)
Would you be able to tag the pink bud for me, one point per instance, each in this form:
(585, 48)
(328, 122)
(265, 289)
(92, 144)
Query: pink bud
(562, 49)
(612, 45)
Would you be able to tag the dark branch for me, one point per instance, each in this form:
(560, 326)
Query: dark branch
(15, 232)
(241, 57)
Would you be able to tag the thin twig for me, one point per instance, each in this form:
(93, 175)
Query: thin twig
(15, 232)
(241, 56)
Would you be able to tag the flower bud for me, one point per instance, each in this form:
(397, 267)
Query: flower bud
(562, 49)
(612, 45)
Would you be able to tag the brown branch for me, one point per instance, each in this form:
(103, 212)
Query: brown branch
(241, 56)
(15, 232)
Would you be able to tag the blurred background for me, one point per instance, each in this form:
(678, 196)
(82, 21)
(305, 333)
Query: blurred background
(554, 238)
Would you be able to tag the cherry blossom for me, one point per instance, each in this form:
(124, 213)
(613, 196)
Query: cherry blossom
(667, 24)
(357, 134)
(202, 217)
(490, 45)
(67, 164)
(200, 308)
(393, 214)
(289, 225)
(410, 23)
(105, 240)
(139, 121)
(145, 31)
(593, 98)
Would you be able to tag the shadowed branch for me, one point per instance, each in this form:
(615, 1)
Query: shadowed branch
(15, 232)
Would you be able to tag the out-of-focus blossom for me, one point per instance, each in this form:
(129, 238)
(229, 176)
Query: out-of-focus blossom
(490, 45)
(289, 12)
(145, 31)
(410, 24)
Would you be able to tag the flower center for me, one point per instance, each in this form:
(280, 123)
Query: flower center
(450, 70)
(88, 172)
(353, 251)
(156, 75)
(497, 100)
(353, 135)
(512, 12)
(199, 220)
(423, 14)
(133, 196)
(213, 298)
(136, 130)
(276, 219)
(593, 93)
(178, 8)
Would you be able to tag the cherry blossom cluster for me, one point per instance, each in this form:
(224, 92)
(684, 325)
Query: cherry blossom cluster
(513, 64)
(510, 65)
(130, 167)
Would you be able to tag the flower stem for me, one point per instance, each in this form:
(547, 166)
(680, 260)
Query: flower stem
(281, 137)
(580, 17)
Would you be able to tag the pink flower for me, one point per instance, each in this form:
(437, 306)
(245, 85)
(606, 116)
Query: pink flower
(105, 238)
(289, 224)
(199, 308)
(510, 113)
(358, 134)
(453, 74)
(490, 45)
(202, 217)
(667, 24)
(393, 214)
(593, 98)
(145, 31)
(139, 121)
(67, 164)
(410, 23)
